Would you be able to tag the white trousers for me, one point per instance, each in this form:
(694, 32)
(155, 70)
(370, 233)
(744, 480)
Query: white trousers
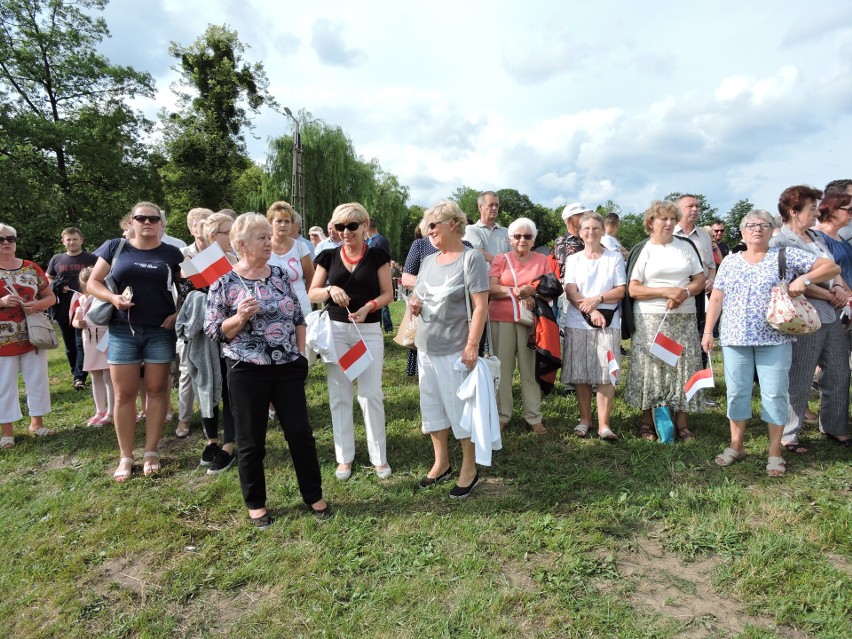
(33, 368)
(186, 394)
(370, 396)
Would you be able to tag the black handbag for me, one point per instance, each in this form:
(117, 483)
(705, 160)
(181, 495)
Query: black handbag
(608, 314)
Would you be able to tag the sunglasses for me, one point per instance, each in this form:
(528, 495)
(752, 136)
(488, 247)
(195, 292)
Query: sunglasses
(352, 226)
(432, 225)
(8, 239)
(151, 219)
(522, 236)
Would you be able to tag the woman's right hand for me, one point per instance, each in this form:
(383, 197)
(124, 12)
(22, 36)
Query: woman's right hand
(706, 343)
(10, 300)
(121, 302)
(247, 308)
(339, 296)
(675, 296)
(416, 306)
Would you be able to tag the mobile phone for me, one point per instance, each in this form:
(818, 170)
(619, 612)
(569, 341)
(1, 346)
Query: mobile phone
(127, 294)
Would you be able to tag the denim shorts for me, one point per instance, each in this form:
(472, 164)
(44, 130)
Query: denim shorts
(150, 344)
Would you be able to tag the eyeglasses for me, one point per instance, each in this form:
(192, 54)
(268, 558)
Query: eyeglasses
(845, 208)
(432, 225)
(352, 226)
(8, 239)
(151, 219)
(763, 226)
(522, 236)
(718, 230)
(223, 232)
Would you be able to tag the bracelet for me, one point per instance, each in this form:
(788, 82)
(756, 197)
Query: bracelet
(375, 304)
(328, 290)
(838, 286)
(710, 334)
(602, 300)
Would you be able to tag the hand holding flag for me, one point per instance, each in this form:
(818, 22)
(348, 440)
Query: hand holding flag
(701, 379)
(207, 267)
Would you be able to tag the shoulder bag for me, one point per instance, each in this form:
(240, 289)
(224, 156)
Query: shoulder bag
(407, 327)
(100, 312)
(488, 356)
(40, 331)
(790, 315)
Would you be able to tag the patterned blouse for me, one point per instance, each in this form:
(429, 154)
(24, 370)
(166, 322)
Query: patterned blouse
(747, 288)
(270, 336)
(564, 246)
(26, 281)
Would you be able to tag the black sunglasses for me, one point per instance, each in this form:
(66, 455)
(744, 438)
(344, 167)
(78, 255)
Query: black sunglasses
(151, 219)
(352, 226)
(522, 236)
(432, 225)
(8, 239)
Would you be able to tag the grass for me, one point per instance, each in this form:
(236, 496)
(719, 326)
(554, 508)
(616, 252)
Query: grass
(565, 537)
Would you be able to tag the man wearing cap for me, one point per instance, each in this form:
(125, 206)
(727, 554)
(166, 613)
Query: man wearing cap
(486, 235)
(569, 243)
(689, 210)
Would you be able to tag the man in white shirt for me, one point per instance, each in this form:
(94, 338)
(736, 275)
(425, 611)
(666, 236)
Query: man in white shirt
(296, 232)
(486, 235)
(610, 239)
(689, 210)
(332, 241)
(165, 237)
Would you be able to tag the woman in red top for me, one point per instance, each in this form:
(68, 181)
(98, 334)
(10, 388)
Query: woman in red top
(24, 289)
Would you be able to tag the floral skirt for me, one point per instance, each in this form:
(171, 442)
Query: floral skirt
(650, 381)
(584, 352)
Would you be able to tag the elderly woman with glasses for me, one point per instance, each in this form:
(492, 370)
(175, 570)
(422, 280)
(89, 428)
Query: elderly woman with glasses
(142, 329)
(741, 293)
(24, 289)
(511, 279)
(354, 279)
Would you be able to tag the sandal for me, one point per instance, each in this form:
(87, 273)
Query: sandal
(581, 429)
(151, 467)
(844, 443)
(729, 456)
(796, 448)
(95, 419)
(7, 442)
(42, 431)
(538, 429)
(182, 430)
(776, 466)
(104, 421)
(121, 474)
(646, 431)
(140, 417)
(607, 434)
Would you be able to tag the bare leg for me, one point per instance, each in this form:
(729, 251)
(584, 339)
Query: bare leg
(604, 398)
(775, 432)
(738, 429)
(584, 401)
(157, 391)
(442, 452)
(468, 467)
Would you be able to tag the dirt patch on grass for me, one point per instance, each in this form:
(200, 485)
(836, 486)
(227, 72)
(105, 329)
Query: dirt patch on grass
(133, 574)
(493, 487)
(61, 461)
(657, 580)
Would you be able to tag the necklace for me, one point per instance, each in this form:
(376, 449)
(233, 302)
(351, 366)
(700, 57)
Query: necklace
(346, 257)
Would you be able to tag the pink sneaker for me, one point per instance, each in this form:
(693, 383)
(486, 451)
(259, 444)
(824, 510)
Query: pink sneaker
(95, 420)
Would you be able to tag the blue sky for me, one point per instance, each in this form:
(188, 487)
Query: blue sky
(562, 101)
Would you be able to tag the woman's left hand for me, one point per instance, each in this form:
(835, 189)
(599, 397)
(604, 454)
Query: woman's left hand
(527, 291)
(470, 355)
(169, 322)
(30, 307)
(360, 315)
(597, 318)
(588, 304)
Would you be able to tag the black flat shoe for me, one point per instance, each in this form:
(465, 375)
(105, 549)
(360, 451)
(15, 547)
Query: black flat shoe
(321, 515)
(428, 482)
(461, 492)
(264, 521)
(844, 443)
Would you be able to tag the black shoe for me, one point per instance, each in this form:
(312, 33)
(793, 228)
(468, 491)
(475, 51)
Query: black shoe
(460, 492)
(428, 482)
(224, 460)
(209, 454)
(79, 384)
(264, 521)
(711, 403)
(321, 515)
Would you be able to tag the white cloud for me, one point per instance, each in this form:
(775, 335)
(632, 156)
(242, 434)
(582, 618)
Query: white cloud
(327, 41)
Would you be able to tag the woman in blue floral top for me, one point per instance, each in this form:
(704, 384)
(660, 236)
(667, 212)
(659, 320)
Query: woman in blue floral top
(741, 293)
(253, 312)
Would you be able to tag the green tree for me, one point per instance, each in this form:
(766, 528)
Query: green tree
(70, 149)
(204, 142)
(466, 197)
(631, 230)
(733, 218)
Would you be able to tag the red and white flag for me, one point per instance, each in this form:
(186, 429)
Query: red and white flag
(612, 365)
(207, 267)
(356, 360)
(701, 379)
(666, 349)
(75, 304)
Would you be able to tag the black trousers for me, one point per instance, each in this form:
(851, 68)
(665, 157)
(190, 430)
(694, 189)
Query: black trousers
(252, 388)
(211, 424)
(73, 339)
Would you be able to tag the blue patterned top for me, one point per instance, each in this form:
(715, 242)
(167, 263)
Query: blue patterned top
(747, 289)
(270, 336)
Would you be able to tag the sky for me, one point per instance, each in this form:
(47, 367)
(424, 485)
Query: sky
(563, 101)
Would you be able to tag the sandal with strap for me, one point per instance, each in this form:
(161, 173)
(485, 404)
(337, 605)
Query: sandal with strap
(151, 467)
(121, 474)
(646, 431)
(776, 466)
(581, 429)
(729, 456)
(7, 442)
(607, 435)
(795, 447)
(42, 431)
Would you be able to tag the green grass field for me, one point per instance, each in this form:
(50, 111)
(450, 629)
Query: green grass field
(564, 538)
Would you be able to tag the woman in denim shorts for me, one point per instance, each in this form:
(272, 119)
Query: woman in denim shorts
(141, 330)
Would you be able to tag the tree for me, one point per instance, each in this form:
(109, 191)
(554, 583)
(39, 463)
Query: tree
(707, 213)
(466, 198)
(204, 142)
(631, 230)
(69, 144)
(733, 218)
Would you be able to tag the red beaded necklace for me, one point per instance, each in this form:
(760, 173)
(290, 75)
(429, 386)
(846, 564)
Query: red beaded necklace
(355, 261)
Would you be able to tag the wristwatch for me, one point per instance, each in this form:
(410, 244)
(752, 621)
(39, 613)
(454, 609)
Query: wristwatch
(807, 282)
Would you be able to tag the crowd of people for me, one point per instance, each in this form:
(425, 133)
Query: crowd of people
(475, 291)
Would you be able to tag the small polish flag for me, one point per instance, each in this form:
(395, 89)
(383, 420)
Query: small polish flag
(666, 349)
(701, 379)
(207, 267)
(612, 365)
(75, 304)
(103, 343)
(356, 360)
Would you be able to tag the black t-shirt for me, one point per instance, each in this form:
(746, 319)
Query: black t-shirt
(150, 273)
(363, 285)
(64, 270)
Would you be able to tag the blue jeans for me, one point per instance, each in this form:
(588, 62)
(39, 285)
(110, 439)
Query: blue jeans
(773, 366)
(150, 344)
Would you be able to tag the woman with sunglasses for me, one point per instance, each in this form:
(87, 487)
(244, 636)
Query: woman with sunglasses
(24, 289)
(595, 282)
(511, 278)
(354, 280)
(741, 293)
(139, 333)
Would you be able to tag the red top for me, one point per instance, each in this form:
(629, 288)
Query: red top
(27, 282)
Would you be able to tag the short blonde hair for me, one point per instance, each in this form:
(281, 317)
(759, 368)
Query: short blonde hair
(445, 211)
(5, 228)
(351, 211)
(244, 226)
(211, 224)
(657, 209)
(195, 216)
(280, 207)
